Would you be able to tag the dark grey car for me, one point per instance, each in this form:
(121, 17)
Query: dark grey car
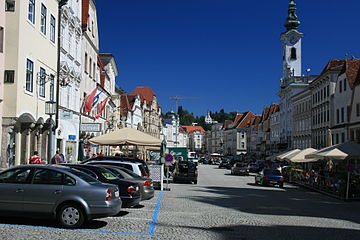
(146, 184)
(67, 194)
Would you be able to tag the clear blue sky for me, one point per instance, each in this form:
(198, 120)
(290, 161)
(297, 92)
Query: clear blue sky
(227, 52)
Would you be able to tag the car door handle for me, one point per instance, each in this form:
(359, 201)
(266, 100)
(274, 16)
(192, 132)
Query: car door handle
(57, 192)
(19, 190)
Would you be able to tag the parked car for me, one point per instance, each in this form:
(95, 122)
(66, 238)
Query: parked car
(146, 184)
(185, 171)
(224, 163)
(254, 168)
(270, 177)
(60, 192)
(129, 190)
(133, 164)
(239, 169)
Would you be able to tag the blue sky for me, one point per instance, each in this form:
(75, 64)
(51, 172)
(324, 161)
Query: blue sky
(228, 52)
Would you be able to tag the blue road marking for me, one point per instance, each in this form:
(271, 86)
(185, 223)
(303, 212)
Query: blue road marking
(150, 233)
(156, 212)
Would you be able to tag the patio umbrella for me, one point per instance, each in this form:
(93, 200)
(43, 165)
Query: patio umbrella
(299, 157)
(282, 157)
(126, 136)
(337, 152)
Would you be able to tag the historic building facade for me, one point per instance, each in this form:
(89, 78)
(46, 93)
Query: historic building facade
(2, 65)
(67, 134)
(30, 71)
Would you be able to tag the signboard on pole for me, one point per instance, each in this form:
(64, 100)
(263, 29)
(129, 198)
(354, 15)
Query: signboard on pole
(169, 157)
(90, 127)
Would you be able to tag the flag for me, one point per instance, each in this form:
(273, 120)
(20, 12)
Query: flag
(89, 101)
(96, 98)
(101, 107)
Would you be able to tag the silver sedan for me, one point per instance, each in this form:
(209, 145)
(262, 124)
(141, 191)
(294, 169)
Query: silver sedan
(67, 194)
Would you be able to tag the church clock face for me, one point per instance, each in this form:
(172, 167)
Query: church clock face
(292, 40)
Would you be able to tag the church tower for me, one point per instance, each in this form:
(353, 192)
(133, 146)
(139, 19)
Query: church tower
(291, 45)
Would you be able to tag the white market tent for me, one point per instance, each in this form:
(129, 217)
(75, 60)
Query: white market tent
(282, 156)
(299, 157)
(126, 136)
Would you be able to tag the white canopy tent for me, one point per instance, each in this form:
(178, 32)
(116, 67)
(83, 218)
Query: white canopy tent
(299, 157)
(337, 152)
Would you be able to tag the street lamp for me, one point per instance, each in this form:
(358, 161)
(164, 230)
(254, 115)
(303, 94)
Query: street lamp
(50, 109)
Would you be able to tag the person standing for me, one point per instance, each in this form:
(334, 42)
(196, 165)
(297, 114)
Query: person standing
(56, 159)
(35, 159)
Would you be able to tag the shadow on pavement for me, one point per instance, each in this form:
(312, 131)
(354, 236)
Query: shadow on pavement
(46, 222)
(290, 201)
(248, 232)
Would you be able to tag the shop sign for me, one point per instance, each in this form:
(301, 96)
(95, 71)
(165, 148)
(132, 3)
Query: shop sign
(72, 137)
(90, 127)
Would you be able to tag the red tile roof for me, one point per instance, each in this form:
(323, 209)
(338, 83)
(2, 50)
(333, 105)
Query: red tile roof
(334, 64)
(227, 124)
(102, 74)
(351, 69)
(191, 129)
(245, 120)
(126, 103)
(238, 118)
(146, 94)
(275, 107)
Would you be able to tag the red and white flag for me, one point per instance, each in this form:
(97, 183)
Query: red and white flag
(101, 107)
(89, 101)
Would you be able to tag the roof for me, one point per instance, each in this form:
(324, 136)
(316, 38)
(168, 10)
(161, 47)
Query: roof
(227, 123)
(256, 119)
(351, 69)
(238, 118)
(191, 129)
(85, 13)
(126, 103)
(333, 64)
(245, 120)
(146, 94)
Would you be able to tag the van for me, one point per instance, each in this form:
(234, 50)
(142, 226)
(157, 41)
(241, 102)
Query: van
(185, 171)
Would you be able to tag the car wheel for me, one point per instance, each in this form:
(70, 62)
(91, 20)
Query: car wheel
(71, 216)
(195, 182)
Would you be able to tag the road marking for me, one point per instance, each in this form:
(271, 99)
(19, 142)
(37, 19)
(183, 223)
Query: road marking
(156, 212)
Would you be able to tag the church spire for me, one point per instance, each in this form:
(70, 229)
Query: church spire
(292, 21)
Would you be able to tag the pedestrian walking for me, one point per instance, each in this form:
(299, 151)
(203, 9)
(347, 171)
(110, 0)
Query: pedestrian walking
(35, 159)
(56, 159)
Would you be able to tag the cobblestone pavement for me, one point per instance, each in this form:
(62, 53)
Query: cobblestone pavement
(221, 206)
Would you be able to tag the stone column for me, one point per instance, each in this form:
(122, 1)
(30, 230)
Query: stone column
(27, 145)
(17, 148)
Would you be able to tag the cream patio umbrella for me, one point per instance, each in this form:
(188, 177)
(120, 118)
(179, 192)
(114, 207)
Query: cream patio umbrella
(282, 156)
(299, 157)
(337, 152)
(126, 136)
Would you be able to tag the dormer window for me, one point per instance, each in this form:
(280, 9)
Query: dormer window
(293, 54)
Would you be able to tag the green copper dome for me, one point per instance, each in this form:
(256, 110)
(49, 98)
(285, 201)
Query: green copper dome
(292, 21)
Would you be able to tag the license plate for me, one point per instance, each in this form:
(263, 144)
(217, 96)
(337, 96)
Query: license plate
(117, 194)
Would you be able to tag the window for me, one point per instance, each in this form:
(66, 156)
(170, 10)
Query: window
(328, 115)
(358, 109)
(328, 90)
(1, 39)
(42, 82)
(9, 76)
(342, 137)
(86, 62)
(90, 67)
(45, 176)
(293, 54)
(15, 176)
(31, 11)
(340, 86)
(52, 28)
(10, 6)
(94, 70)
(337, 116)
(344, 85)
(342, 115)
(52, 77)
(43, 19)
(29, 75)
(69, 181)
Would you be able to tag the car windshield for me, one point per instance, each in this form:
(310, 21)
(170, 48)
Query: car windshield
(83, 176)
(272, 172)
